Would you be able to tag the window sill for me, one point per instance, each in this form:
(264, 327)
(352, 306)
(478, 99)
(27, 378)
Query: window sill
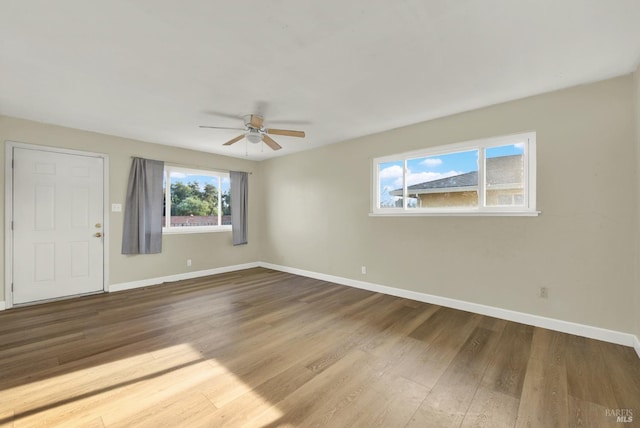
(194, 229)
(459, 214)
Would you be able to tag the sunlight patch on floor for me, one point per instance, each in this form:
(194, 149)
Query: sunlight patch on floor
(171, 385)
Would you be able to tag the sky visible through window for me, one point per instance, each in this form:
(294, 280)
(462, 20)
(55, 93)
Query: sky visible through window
(424, 169)
(202, 180)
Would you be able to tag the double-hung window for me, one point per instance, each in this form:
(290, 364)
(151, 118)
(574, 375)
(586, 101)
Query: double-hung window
(493, 176)
(196, 200)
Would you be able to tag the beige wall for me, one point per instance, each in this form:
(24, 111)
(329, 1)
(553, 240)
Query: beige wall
(636, 92)
(317, 205)
(464, 199)
(449, 199)
(207, 250)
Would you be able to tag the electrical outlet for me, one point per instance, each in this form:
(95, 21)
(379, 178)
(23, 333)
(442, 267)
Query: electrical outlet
(544, 293)
(363, 270)
(188, 262)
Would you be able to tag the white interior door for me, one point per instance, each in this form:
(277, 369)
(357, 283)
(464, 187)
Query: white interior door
(57, 225)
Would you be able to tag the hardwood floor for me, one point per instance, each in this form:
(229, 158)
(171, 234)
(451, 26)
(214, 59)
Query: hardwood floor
(260, 348)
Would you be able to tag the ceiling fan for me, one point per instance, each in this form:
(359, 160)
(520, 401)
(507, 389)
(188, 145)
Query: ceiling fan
(256, 132)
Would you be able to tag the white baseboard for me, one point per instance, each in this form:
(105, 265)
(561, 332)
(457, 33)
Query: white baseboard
(3, 305)
(598, 333)
(178, 277)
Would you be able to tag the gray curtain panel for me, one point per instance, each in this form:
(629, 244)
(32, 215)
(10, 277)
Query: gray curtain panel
(239, 199)
(143, 208)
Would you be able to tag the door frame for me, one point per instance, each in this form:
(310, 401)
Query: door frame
(8, 211)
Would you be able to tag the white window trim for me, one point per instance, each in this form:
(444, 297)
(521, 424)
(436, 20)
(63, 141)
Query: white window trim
(177, 230)
(528, 210)
(180, 230)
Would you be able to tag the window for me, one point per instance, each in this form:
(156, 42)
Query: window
(196, 200)
(495, 176)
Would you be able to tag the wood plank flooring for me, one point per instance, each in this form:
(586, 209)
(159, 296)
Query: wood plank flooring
(260, 348)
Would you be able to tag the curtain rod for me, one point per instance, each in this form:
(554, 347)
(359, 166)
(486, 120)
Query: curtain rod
(193, 166)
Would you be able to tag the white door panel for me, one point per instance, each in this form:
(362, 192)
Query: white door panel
(57, 212)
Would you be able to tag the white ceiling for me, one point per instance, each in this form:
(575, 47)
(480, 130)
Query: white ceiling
(154, 70)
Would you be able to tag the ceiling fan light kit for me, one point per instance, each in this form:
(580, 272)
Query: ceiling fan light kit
(254, 136)
(256, 132)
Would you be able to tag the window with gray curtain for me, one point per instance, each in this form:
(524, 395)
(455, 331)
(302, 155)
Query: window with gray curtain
(239, 199)
(142, 232)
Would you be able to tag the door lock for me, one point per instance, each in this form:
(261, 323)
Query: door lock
(98, 235)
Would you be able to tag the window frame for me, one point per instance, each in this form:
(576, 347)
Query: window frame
(166, 227)
(529, 175)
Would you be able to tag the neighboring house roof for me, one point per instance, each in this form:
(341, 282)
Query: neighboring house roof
(504, 172)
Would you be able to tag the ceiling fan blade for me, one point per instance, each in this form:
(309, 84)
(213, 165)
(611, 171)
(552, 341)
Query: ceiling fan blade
(269, 142)
(235, 140)
(261, 108)
(286, 132)
(223, 114)
(256, 121)
(289, 122)
(222, 127)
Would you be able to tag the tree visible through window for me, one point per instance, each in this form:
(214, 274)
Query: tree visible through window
(196, 199)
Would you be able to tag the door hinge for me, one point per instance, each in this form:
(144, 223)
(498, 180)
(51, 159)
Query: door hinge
(12, 287)
(11, 224)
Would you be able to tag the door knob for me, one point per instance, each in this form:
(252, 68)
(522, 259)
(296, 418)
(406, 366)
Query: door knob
(98, 235)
